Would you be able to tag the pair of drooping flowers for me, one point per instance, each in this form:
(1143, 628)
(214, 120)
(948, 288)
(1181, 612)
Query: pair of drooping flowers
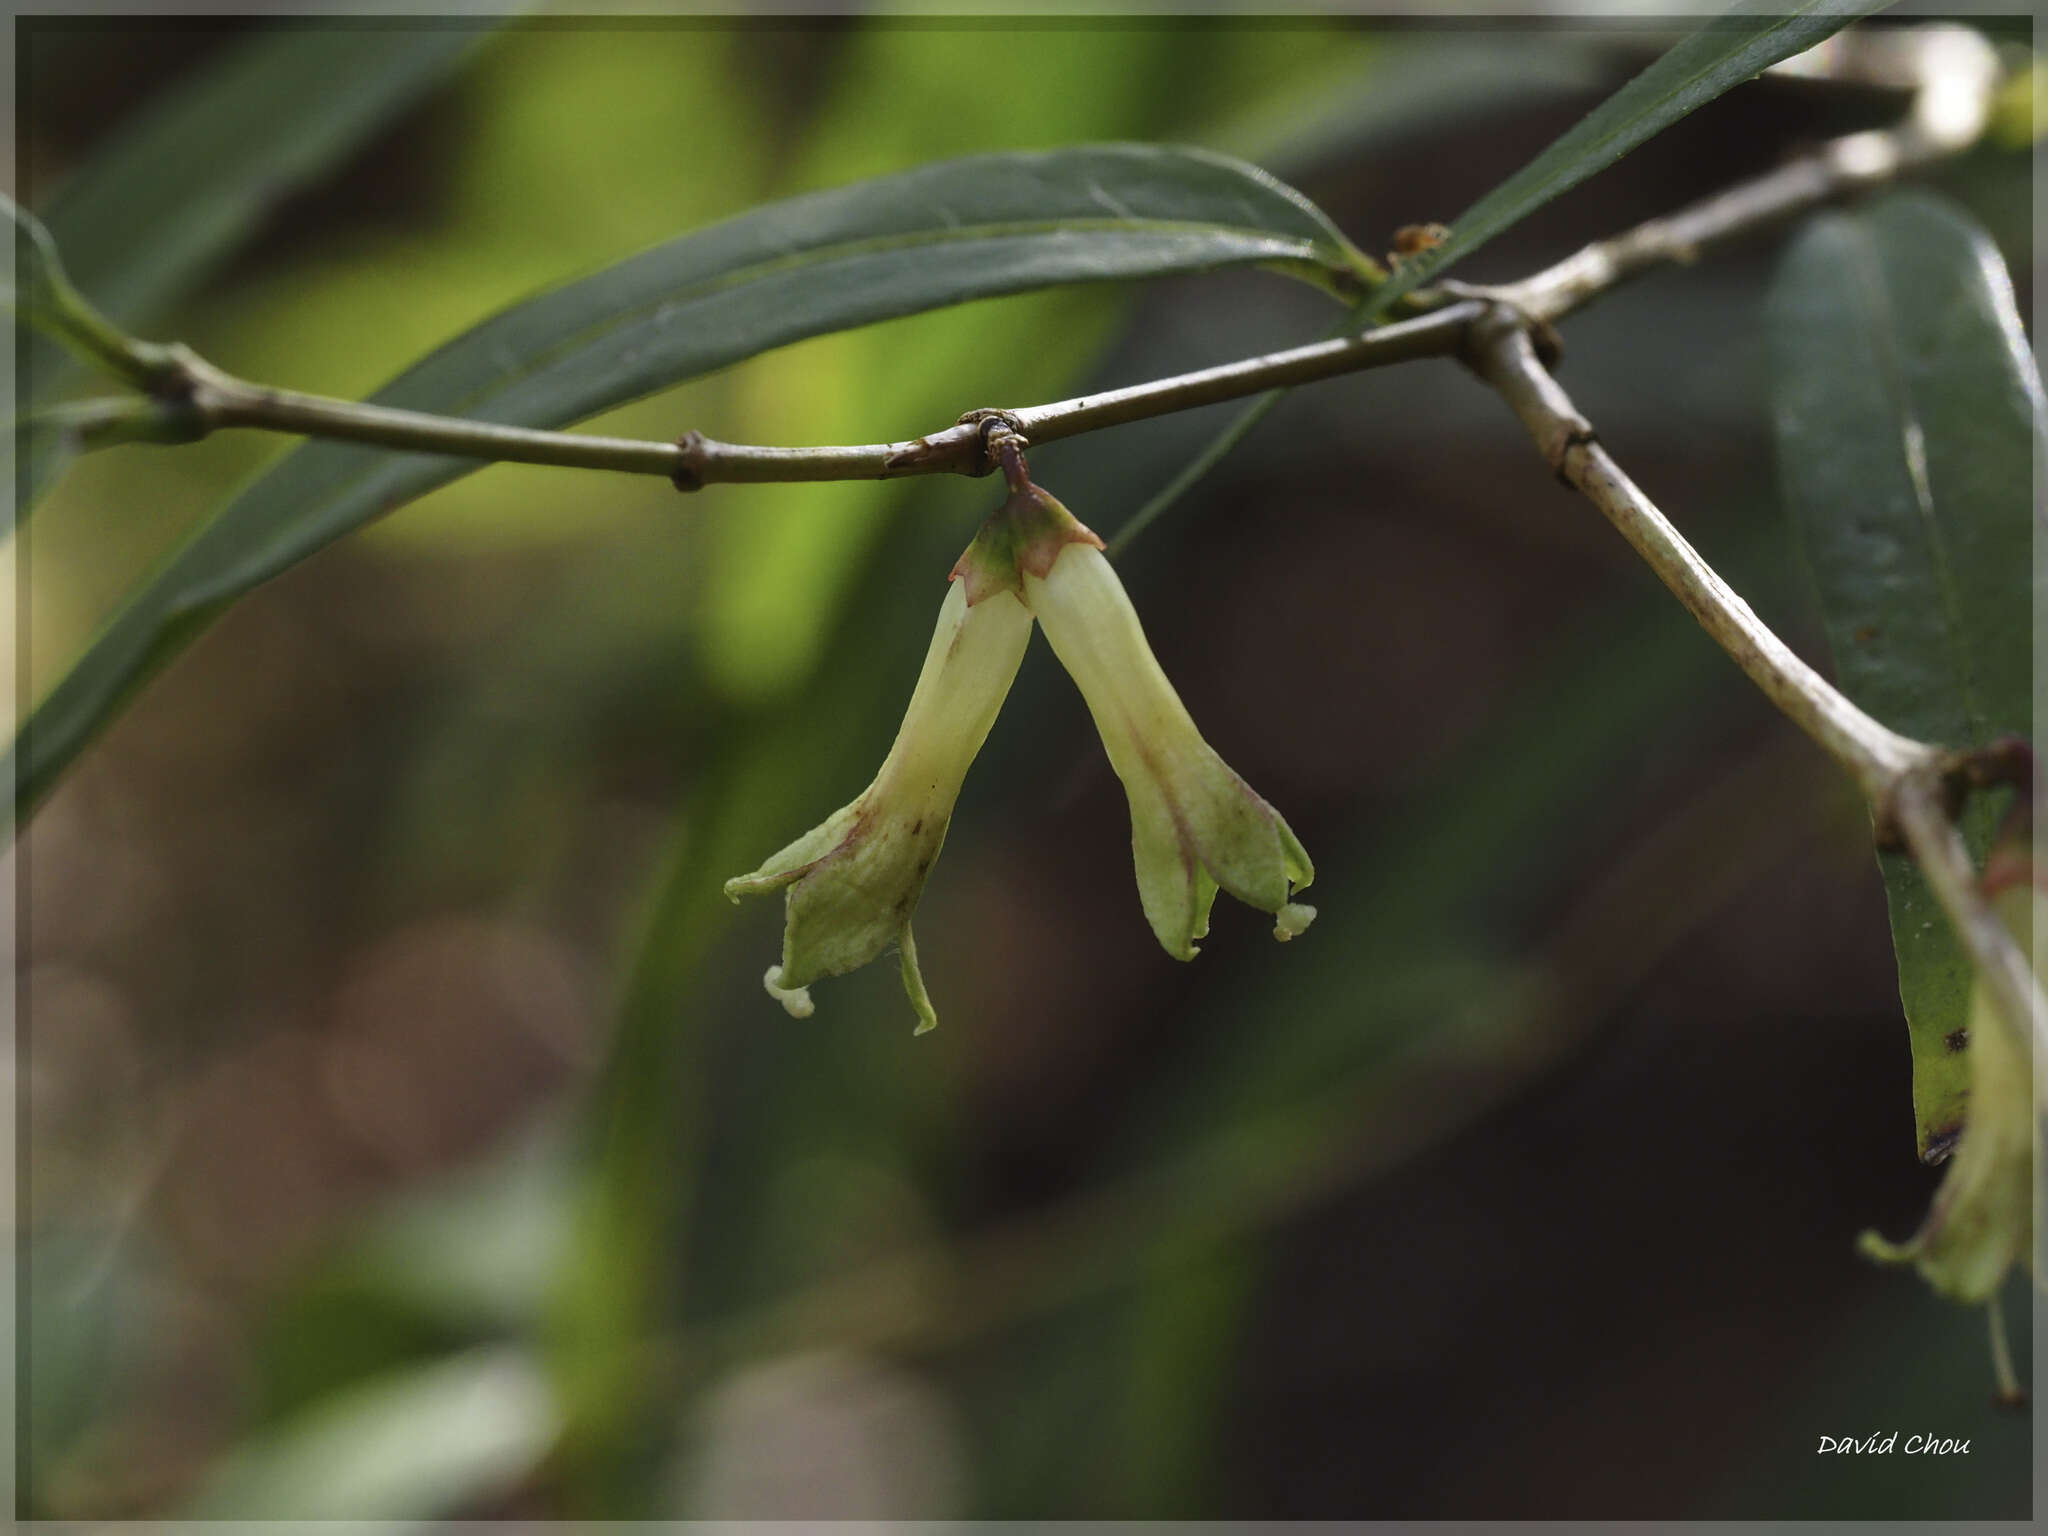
(1196, 827)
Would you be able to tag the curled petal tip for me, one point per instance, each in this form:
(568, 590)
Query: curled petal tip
(796, 1001)
(913, 985)
(1292, 920)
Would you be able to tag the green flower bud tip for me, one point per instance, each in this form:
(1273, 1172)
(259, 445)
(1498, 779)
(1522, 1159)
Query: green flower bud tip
(1195, 825)
(854, 880)
(1982, 1219)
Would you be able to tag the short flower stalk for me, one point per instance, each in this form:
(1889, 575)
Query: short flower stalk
(853, 882)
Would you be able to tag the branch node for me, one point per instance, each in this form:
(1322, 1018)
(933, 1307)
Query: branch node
(1569, 435)
(688, 474)
(994, 427)
(174, 375)
(1505, 347)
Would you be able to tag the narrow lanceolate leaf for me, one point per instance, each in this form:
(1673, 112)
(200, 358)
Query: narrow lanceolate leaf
(180, 187)
(1908, 417)
(1738, 46)
(944, 234)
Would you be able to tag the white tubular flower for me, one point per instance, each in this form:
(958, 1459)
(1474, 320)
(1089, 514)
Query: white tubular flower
(854, 880)
(1195, 825)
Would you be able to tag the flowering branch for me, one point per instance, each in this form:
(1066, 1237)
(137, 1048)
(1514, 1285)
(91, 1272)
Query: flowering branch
(960, 450)
(187, 397)
(1497, 330)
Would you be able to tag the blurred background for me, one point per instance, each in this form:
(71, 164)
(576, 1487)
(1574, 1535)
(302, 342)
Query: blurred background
(407, 1133)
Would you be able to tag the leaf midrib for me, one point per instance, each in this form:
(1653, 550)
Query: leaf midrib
(1866, 273)
(1304, 249)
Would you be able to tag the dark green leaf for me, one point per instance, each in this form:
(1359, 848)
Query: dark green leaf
(1733, 48)
(181, 186)
(1908, 414)
(943, 234)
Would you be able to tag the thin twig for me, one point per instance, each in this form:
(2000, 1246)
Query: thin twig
(1957, 71)
(49, 300)
(958, 449)
(105, 420)
(1502, 354)
(194, 398)
(1901, 778)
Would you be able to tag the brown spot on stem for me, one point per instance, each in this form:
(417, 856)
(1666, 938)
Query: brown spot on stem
(1956, 1039)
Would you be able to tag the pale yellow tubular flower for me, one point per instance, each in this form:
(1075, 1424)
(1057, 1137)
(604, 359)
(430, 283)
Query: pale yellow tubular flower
(854, 880)
(1195, 825)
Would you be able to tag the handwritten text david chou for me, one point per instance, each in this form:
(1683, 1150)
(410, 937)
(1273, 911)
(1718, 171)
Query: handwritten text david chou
(1884, 1445)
